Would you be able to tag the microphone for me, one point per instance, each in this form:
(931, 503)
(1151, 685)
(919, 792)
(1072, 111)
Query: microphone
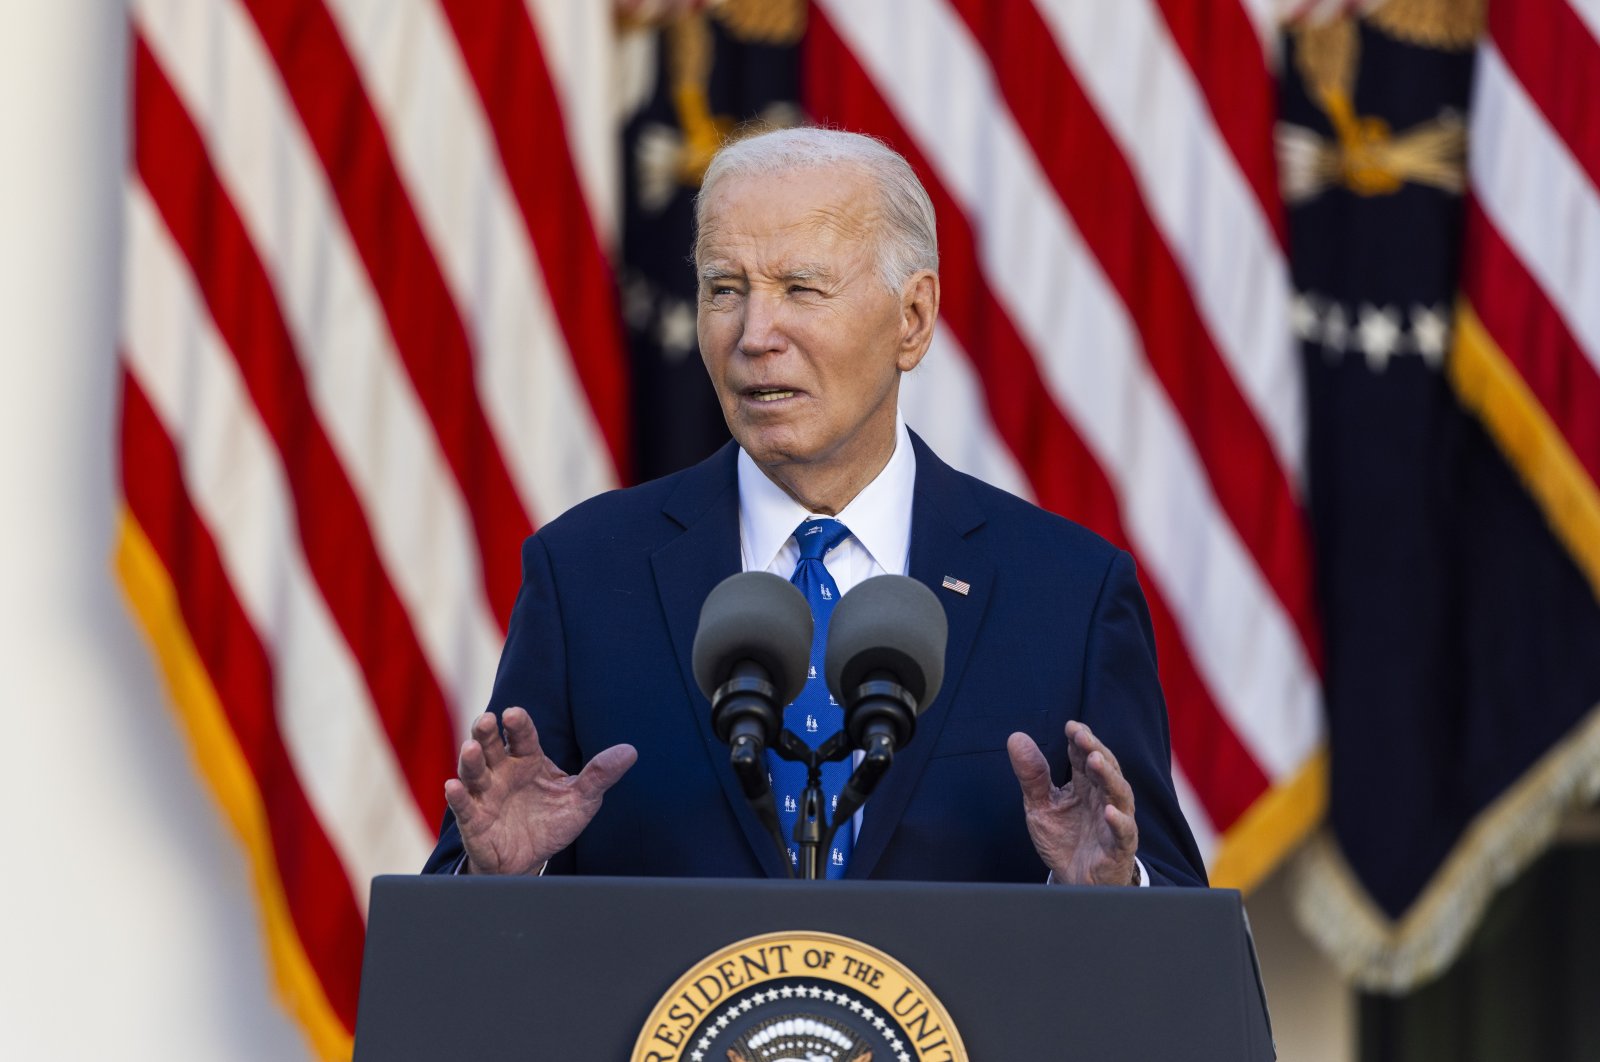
(885, 661)
(752, 652)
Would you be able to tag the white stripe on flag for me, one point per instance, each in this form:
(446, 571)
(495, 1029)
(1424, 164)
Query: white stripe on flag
(578, 42)
(1589, 11)
(1267, 18)
(1537, 196)
(1198, 197)
(232, 471)
(363, 397)
(448, 160)
(942, 401)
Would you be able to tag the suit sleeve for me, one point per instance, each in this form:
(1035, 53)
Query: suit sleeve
(1122, 703)
(532, 675)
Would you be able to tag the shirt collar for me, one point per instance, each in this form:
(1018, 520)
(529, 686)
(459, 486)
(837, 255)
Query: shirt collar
(879, 518)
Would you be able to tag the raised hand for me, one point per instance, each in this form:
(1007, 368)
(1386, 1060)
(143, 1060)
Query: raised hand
(515, 808)
(1084, 831)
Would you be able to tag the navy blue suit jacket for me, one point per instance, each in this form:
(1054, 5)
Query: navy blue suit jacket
(1054, 628)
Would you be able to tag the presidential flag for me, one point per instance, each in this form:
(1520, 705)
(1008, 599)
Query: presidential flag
(1445, 238)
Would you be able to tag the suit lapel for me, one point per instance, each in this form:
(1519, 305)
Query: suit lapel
(944, 514)
(706, 506)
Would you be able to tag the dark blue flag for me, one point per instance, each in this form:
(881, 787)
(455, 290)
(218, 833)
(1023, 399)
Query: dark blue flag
(716, 73)
(1463, 643)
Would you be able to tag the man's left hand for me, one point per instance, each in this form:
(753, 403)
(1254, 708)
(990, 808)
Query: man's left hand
(1084, 830)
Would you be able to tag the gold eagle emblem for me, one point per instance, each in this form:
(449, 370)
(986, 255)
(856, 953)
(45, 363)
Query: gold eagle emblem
(1450, 25)
(1366, 155)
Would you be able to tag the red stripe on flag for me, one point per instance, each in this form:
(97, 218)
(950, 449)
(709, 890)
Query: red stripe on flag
(1531, 333)
(318, 894)
(502, 52)
(428, 332)
(1065, 477)
(1557, 59)
(1097, 187)
(1222, 49)
(171, 160)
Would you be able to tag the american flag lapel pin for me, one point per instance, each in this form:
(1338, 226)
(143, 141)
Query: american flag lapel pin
(959, 586)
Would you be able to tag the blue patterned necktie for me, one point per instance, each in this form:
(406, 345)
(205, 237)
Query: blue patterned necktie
(814, 715)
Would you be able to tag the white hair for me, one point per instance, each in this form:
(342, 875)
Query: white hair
(906, 237)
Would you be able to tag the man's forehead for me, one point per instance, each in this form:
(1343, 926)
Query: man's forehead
(784, 221)
(815, 253)
(814, 233)
(811, 202)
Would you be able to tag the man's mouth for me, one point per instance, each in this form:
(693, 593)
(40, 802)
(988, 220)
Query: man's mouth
(770, 394)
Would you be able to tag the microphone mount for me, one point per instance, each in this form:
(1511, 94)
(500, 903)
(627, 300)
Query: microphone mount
(884, 663)
(814, 830)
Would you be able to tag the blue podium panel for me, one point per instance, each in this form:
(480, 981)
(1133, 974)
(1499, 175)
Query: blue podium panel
(605, 968)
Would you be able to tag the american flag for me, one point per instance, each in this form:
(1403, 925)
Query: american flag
(1528, 347)
(370, 342)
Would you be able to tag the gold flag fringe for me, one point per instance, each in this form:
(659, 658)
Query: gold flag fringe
(1381, 955)
(1375, 952)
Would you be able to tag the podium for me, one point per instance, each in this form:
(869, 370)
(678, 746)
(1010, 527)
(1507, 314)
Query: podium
(606, 968)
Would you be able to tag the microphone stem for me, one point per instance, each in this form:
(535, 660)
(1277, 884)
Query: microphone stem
(877, 756)
(808, 829)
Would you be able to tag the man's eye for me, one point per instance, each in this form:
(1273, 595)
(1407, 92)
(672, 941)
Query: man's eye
(796, 289)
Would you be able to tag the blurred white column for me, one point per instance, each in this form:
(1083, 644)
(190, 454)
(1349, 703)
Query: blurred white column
(127, 927)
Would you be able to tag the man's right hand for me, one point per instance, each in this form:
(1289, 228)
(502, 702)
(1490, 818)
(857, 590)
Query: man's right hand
(515, 808)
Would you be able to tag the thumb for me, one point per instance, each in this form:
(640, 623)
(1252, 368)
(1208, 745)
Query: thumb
(606, 769)
(1031, 768)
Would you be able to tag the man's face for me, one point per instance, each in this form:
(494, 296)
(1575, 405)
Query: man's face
(803, 342)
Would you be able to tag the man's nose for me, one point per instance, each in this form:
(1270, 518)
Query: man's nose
(762, 331)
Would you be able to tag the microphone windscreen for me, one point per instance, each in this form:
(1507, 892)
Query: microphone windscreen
(754, 616)
(888, 623)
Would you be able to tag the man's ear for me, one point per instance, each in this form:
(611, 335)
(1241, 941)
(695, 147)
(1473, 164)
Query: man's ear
(919, 310)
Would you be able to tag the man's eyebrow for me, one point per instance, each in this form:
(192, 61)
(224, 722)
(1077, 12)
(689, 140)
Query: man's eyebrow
(805, 272)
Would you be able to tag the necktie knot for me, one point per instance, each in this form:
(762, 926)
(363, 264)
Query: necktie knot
(817, 537)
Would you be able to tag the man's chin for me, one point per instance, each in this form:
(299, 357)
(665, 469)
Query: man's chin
(775, 459)
(772, 445)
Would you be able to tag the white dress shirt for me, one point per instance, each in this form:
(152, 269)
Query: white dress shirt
(879, 519)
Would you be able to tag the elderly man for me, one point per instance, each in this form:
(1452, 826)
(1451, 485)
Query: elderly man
(819, 288)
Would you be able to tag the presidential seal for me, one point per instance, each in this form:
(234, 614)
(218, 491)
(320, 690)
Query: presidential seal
(799, 997)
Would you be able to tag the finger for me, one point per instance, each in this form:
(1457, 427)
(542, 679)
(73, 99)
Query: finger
(1086, 741)
(1124, 830)
(1106, 777)
(486, 732)
(472, 768)
(462, 805)
(1031, 768)
(1080, 742)
(1094, 744)
(606, 769)
(522, 737)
